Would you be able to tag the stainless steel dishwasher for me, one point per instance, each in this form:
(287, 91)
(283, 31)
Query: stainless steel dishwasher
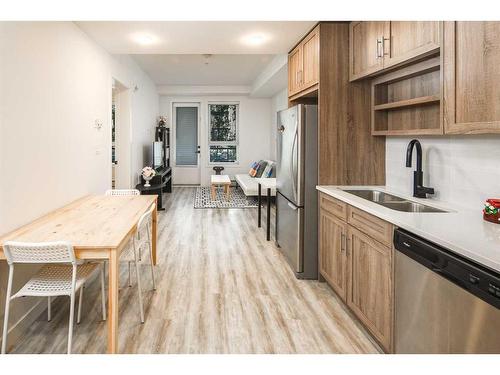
(444, 303)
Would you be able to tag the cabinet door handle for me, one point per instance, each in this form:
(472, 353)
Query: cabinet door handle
(377, 50)
(383, 47)
(343, 242)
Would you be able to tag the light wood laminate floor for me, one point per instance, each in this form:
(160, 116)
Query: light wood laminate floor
(222, 288)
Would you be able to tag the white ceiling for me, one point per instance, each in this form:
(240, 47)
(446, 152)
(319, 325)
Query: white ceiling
(194, 70)
(196, 37)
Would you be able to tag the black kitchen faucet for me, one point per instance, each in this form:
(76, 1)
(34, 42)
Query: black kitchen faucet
(419, 190)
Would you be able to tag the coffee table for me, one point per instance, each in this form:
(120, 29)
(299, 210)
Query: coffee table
(220, 180)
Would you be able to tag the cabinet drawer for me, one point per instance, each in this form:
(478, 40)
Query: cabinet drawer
(378, 229)
(333, 206)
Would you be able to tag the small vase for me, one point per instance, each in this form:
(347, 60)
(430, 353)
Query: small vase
(147, 179)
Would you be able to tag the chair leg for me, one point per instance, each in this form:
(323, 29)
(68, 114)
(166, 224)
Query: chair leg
(152, 266)
(5, 325)
(137, 273)
(129, 282)
(6, 314)
(71, 318)
(103, 294)
(80, 300)
(49, 310)
(151, 259)
(141, 307)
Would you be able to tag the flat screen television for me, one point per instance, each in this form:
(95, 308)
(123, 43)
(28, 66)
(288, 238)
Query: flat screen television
(157, 154)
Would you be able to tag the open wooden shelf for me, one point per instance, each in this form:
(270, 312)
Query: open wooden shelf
(407, 103)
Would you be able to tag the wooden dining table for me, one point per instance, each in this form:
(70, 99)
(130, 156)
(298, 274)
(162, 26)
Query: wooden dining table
(98, 227)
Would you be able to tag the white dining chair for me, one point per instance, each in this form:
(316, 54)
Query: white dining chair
(122, 192)
(61, 275)
(133, 253)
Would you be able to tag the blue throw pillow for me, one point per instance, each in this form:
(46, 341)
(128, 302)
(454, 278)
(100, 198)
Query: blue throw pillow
(261, 168)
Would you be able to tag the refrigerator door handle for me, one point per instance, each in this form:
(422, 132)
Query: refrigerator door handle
(292, 169)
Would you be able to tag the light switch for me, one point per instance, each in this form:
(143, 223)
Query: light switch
(98, 124)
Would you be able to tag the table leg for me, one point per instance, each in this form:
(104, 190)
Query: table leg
(113, 302)
(154, 231)
(213, 192)
(259, 190)
(268, 218)
(228, 191)
(160, 200)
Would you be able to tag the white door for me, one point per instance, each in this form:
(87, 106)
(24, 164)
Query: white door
(186, 143)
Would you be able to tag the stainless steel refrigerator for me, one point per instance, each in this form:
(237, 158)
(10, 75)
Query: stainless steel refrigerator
(296, 179)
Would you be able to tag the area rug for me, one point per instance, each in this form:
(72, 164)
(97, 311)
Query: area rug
(203, 199)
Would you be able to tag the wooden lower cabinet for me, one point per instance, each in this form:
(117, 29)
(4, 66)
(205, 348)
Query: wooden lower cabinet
(333, 260)
(370, 284)
(359, 268)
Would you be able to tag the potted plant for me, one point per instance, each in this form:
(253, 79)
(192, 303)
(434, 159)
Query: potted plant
(147, 174)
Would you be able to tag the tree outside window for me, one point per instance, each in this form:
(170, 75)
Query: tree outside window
(223, 133)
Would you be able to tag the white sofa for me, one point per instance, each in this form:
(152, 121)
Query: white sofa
(250, 186)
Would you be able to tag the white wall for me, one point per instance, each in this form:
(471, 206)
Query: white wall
(254, 125)
(55, 82)
(463, 170)
(278, 102)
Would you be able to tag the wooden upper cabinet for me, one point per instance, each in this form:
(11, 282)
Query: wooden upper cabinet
(332, 250)
(376, 45)
(365, 48)
(407, 40)
(294, 70)
(310, 59)
(303, 64)
(370, 284)
(471, 77)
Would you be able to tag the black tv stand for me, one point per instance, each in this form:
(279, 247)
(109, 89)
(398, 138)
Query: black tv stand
(164, 177)
(162, 181)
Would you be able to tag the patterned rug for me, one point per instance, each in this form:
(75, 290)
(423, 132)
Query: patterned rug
(203, 199)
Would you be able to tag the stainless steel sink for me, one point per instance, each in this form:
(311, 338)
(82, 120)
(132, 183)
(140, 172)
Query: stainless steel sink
(392, 201)
(407, 206)
(376, 196)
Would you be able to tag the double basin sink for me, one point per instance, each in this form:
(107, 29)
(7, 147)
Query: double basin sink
(392, 201)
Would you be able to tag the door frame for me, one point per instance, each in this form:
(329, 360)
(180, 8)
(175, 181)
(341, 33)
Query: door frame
(123, 126)
(176, 105)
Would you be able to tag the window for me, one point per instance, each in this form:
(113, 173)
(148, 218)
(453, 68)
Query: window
(223, 133)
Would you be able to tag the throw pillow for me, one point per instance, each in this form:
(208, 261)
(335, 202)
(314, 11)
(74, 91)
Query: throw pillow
(253, 169)
(268, 171)
(262, 166)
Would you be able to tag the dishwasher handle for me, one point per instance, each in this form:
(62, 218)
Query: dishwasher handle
(448, 276)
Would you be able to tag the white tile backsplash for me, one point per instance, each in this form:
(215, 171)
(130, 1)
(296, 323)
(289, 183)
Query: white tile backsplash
(463, 170)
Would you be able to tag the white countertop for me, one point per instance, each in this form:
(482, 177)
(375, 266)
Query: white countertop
(462, 231)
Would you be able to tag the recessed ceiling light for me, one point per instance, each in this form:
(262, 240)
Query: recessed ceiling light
(255, 39)
(144, 39)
